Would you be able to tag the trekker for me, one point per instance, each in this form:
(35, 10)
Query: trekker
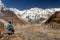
(10, 28)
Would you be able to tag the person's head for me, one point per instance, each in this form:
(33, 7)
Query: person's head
(10, 22)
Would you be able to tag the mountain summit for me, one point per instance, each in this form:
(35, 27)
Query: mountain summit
(35, 15)
(2, 6)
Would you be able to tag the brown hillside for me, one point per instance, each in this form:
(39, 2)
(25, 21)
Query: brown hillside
(54, 19)
(8, 15)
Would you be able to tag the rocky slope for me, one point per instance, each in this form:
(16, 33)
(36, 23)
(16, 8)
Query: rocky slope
(35, 32)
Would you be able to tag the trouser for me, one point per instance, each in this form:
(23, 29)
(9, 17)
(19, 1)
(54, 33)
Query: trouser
(11, 31)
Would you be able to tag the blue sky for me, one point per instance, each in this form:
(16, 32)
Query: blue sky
(27, 4)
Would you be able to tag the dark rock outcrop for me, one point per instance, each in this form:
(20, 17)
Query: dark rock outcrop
(54, 19)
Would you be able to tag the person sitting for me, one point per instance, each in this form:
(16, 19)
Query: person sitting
(10, 28)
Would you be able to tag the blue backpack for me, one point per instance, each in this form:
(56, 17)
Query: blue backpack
(9, 26)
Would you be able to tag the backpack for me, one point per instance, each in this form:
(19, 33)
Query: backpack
(9, 26)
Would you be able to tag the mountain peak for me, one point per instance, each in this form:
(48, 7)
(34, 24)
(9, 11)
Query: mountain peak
(1, 4)
(2, 7)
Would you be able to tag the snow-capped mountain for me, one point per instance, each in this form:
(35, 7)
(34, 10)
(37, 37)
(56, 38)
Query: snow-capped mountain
(32, 15)
(35, 14)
